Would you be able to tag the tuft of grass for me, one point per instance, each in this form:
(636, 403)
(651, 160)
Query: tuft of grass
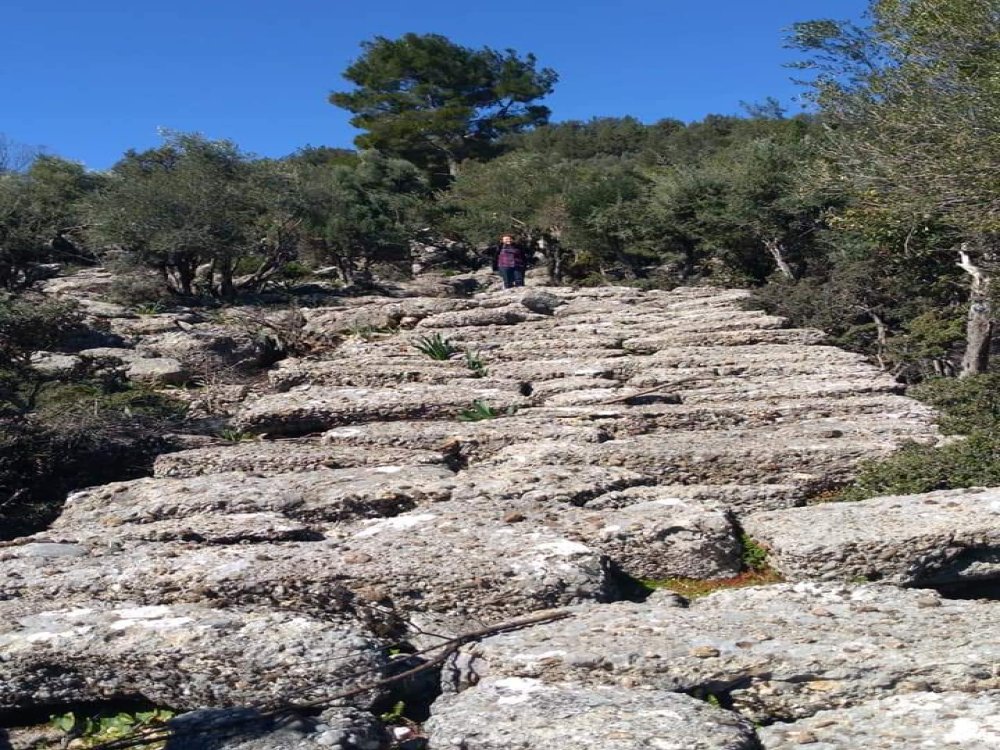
(435, 347)
(480, 410)
(475, 364)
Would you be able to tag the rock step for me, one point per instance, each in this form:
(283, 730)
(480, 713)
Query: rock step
(899, 722)
(267, 458)
(779, 652)
(517, 712)
(917, 540)
(183, 656)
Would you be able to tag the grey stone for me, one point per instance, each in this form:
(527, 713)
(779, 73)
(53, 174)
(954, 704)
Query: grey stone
(914, 540)
(325, 495)
(184, 656)
(157, 371)
(516, 713)
(283, 457)
(315, 409)
(899, 722)
(457, 567)
(778, 652)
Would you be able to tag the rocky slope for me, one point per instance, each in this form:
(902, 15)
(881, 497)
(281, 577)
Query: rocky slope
(629, 436)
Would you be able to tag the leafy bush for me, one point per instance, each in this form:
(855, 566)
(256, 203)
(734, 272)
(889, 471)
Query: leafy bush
(969, 406)
(969, 462)
(965, 404)
(62, 433)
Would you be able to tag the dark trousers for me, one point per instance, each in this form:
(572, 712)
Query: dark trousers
(512, 277)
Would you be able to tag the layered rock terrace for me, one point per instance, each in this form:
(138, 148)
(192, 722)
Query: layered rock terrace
(632, 436)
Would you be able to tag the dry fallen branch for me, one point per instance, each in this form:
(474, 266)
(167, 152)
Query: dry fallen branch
(654, 389)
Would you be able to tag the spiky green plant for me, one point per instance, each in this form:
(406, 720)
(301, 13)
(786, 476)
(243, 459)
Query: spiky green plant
(435, 347)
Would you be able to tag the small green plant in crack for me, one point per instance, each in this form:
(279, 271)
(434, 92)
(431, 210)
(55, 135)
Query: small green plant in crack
(395, 715)
(475, 364)
(95, 730)
(149, 308)
(754, 556)
(435, 347)
(235, 436)
(480, 410)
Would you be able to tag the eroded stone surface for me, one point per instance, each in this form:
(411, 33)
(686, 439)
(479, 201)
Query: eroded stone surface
(185, 656)
(269, 458)
(930, 539)
(898, 722)
(516, 713)
(325, 495)
(778, 652)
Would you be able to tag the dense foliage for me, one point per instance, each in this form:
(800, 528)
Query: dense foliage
(872, 217)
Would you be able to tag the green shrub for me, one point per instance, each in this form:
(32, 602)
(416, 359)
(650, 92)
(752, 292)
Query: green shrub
(964, 404)
(973, 461)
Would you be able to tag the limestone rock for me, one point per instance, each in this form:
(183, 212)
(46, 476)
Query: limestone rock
(184, 656)
(916, 540)
(515, 713)
(325, 495)
(899, 722)
(246, 729)
(460, 568)
(778, 652)
(281, 457)
(315, 409)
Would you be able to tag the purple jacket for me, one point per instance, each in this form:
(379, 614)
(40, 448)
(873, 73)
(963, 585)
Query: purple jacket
(511, 257)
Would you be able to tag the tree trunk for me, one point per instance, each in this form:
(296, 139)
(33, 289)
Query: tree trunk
(777, 251)
(979, 328)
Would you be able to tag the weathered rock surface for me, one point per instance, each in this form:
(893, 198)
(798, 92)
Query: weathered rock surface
(269, 458)
(185, 656)
(916, 540)
(778, 652)
(632, 433)
(247, 729)
(325, 495)
(460, 570)
(899, 722)
(515, 713)
(316, 409)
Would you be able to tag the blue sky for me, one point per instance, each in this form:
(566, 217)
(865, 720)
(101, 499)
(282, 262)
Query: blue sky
(89, 79)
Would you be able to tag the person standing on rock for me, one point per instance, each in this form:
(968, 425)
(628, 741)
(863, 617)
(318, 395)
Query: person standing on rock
(511, 262)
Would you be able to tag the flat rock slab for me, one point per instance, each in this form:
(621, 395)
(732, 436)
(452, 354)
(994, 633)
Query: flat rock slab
(516, 713)
(376, 372)
(473, 441)
(246, 729)
(900, 722)
(326, 495)
(778, 652)
(460, 567)
(296, 577)
(267, 458)
(317, 409)
(202, 528)
(183, 656)
(913, 540)
(659, 538)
